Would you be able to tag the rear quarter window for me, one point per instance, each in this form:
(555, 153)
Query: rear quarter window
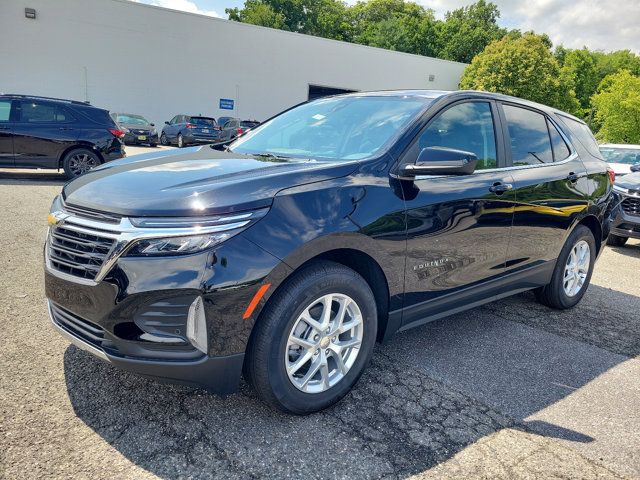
(582, 132)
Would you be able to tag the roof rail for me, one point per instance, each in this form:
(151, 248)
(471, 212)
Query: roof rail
(20, 95)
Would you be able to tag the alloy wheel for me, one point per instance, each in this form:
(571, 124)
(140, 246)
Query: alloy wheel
(81, 163)
(576, 268)
(180, 141)
(324, 343)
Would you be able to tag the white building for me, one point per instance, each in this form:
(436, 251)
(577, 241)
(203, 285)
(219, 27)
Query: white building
(136, 58)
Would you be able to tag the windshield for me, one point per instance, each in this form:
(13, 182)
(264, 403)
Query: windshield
(203, 121)
(629, 156)
(131, 119)
(338, 128)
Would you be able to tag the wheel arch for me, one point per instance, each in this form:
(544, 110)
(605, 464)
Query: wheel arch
(77, 146)
(593, 224)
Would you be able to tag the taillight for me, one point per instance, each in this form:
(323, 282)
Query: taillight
(612, 175)
(239, 131)
(116, 132)
(190, 125)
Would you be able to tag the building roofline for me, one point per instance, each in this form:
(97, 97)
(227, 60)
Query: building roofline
(284, 32)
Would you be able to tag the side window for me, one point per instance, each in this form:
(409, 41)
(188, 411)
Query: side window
(584, 135)
(465, 126)
(560, 148)
(5, 110)
(62, 115)
(174, 120)
(37, 112)
(528, 135)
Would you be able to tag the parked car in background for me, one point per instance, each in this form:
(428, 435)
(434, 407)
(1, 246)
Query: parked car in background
(335, 224)
(44, 132)
(625, 216)
(234, 127)
(223, 120)
(137, 129)
(621, 157)
(184, 130)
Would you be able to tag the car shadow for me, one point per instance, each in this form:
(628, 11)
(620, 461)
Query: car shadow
(32, 177)
(428, 394)
(631, 249)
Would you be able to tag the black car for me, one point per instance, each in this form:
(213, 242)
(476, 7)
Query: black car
(137, 129)
(333, 225)
(43, 132)
(185, 130)
(625, 216)
(234, 127)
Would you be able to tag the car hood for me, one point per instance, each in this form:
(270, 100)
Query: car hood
(197, 181)
(630, 181)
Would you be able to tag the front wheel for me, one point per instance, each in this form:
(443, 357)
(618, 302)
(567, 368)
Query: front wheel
(313, 339)
(616, 241)
(572, 272)
(163, 139)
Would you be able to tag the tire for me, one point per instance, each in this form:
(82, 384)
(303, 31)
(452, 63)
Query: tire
(270, 346)
(163, 139)
(181, 141)
(616, 241)
(79, 161)
(555, 294)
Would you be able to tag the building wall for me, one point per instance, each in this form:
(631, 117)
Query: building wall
(126, 56)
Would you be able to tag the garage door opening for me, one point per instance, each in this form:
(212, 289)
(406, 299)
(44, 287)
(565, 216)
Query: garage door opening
(316, 91)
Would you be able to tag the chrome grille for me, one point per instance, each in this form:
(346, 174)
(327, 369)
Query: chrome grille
(79, 327)
(92, 214)
(631, 206)
(77, 253)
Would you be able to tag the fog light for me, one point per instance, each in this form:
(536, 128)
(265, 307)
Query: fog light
(197, 325)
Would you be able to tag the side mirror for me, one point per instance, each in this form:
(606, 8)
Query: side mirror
(166, 123)
(152, 124)
(441, 161)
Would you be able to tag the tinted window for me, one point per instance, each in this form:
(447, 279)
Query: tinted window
(131, 119)
(5, 110)
(530, 144)
(36, 112)
(560, 148)
(203, 121)
(174, 120)
(338, 128)
(584, 135)
(466, 126)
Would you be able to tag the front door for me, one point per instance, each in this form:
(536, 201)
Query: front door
(458, 227)
(6, 134)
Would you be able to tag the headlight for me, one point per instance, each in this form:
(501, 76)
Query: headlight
(153, 132)
(620, 189)
(185, 235)
(124, 129)
(177, 245)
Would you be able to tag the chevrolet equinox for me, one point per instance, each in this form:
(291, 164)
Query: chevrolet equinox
(334, 224)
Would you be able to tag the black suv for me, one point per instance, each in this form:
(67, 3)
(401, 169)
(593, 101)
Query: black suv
(331, 225)
(43, 132)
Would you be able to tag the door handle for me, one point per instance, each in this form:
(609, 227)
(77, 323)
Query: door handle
(65, 128)
(499, 188)
(572, 177)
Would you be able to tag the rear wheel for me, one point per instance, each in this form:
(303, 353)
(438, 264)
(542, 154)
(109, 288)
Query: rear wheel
(313, 340)
(180, 141)
(572, 272)
(79, 161)
(616, 241)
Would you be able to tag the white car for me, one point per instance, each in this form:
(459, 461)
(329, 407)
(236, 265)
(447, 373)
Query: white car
(621, 157)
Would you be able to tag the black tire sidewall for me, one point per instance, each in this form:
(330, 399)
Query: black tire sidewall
(285, 313)
(163, 139)
(557, 283)
(180, 144)
(67, 158)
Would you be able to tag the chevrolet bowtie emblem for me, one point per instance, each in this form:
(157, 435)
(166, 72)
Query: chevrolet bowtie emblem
(55, 218)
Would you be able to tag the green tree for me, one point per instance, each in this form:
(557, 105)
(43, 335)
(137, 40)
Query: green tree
(466, 31)
(581, 67)
(257, 13)
(617, 108)
(522, 66)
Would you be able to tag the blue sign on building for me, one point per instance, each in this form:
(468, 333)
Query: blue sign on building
(226, 104)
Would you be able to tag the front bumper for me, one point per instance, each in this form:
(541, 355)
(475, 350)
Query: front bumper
(622, 223)
(136, 316)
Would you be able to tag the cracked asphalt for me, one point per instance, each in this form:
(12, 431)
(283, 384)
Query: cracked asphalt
(508, 390)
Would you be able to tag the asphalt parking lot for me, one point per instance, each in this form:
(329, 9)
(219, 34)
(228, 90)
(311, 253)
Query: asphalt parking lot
(509, 390)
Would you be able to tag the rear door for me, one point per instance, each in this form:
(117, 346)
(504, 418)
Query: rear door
(6, 134)
(458, 227)
(43, 131)
(551, 187)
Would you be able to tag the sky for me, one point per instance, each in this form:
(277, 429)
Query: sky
(599, 25)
